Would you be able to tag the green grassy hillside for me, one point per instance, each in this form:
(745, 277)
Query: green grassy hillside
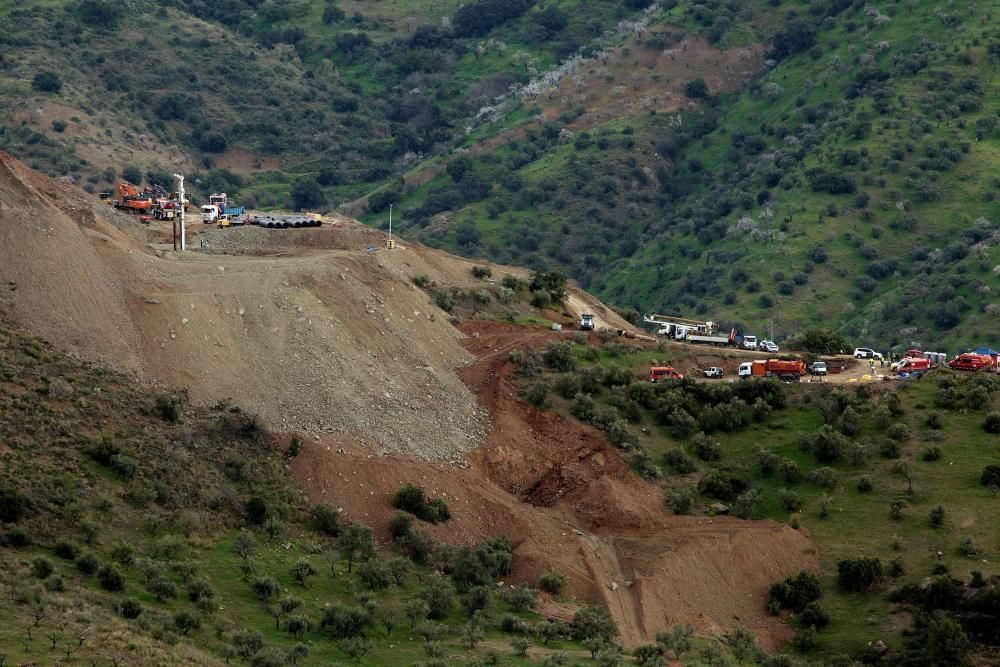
(253, 96)
(870, 471)
(851, 182)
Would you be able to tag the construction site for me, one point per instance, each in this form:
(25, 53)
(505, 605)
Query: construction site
(323, 334)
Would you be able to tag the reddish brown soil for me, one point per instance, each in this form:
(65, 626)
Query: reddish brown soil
(570, 503)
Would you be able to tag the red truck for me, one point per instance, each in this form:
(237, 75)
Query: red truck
(658, 373)
(970, 361)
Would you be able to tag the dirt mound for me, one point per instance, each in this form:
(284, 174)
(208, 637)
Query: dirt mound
(315, 342)
(570, 503)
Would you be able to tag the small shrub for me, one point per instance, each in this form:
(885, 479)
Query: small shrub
(865, 485)
(130, 608)
(325, 519)
(992, 423)
(66, 549)
(678, 461)
(168, 407)
(46, 82)
(990, 476)
(789, 472)
(931, 454)
(552, 582)
(59, 126)
(896, 569)
(898, 432)
(681, 502)
(889, 449)
(111, 578)
(804, 639)
(790, 500)
(859, 575)
(163, 589)
(936, 518)
(814, 615)
(823, 477)
(444, 300)
(537, 394)
(185, 621)
(705, 448)
(896, 508)
(87, 563)
(795, 592)
(41, 567)
(265, 588)
(422, 281)
(482, 272)
(521, 598)
(968, 548)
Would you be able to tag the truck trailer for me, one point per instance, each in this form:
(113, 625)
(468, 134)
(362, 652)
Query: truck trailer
(789, 370)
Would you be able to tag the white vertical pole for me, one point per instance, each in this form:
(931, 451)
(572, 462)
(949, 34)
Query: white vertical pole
(390, 222)
(180, 206)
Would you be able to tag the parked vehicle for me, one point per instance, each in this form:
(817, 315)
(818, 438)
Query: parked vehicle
(714, 372)
(658, 373)
(690, 331)
(867, 353)
(586, 322)
(913, 365)
(749, 343)
(789, 370)
(768, 346)
(817, 368)
(971, 361)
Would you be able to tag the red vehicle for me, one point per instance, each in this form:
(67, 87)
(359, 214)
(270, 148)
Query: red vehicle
(657, 373)
(970, 361)
(911, 364)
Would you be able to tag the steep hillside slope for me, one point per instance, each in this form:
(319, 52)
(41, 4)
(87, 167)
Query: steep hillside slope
(258, 95)
(338, 341)
(338, 350)
(842, 182)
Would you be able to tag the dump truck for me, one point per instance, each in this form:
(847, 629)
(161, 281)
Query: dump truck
(790, 370)
(219, 208)
(586, 322)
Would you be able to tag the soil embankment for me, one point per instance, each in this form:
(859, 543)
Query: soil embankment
(325, 334)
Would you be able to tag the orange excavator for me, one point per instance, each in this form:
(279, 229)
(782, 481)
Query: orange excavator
(131, 199)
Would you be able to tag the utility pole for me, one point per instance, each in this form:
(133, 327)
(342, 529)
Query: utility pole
(389, 244)
(180, 207)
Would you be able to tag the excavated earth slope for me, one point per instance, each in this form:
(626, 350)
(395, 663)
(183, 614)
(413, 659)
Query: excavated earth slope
(322, 342)
(321, 334)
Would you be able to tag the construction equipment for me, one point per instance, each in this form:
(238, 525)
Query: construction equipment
(219, 206)
(659, 373)
(789, 370)
(107, 197)
(692, 331)
(669, 325)
(586, 322)
(132, 200)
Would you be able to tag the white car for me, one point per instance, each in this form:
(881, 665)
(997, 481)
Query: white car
(867, 353)
(768, 346)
